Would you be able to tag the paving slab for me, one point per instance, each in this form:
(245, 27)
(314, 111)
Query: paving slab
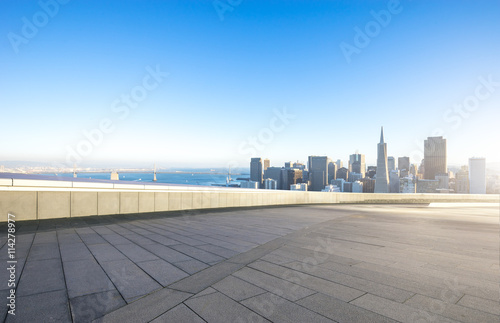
(43, 307)
(217, 307)
(41, 276)
(179, 314)
(273, 284)
(89, 307)
(237, 289)
(327, 262)
(340, 311)
(146, 308)
(85, 277)
(162, 271)
(129, 279)
(277, 309)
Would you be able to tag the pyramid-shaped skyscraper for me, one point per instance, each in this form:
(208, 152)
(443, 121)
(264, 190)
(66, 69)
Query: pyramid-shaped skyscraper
(382, 177)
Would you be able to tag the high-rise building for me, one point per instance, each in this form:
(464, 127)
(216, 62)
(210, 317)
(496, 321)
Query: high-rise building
(357, 164)
(342, 173)
(318, 172)
(394, 181)
(274, 173)
(391, 163)
(368, 184)
(435, 159)
(355, 176)
(267, 163)
(382, 177)
(256, 171)
(462, 181)
(290, 177)
(332, 171)
(414, 170)
(477, 175)
(300, 166)
(339, 164)
(404, 166)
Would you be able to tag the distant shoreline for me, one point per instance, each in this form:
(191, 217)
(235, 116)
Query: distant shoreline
(135, 171)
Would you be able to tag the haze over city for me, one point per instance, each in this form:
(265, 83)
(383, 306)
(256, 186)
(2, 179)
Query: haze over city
(209, 85)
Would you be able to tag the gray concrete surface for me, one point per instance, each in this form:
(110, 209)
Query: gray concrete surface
(329, 263)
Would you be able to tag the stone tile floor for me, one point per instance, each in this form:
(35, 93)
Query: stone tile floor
(337, 263)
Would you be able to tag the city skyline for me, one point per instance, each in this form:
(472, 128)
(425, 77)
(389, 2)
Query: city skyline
(186, 85)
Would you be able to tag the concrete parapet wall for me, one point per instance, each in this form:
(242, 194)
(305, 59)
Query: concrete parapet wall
(43, 202)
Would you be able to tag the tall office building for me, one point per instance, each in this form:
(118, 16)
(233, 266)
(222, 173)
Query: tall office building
(289, 177)
(382, 177)
(318, 172)
(339, 164)
(477, 176)
(357, 164)
(256, 171)
(462, 181)
(274, 173)
(435, 159)
(414, 170)
(342, 173)
(267, 163)
(394, 181)
(332, 171)
(391, 163)
(404, 166)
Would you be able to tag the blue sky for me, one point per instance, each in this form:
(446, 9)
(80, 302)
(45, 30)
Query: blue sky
(228, 77)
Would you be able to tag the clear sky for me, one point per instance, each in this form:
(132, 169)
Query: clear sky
(203, 83)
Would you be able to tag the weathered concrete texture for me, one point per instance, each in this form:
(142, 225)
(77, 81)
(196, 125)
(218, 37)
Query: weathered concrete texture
(54, 205)
(355, 263)
(108, 203)
(83, 203)
(22, 204)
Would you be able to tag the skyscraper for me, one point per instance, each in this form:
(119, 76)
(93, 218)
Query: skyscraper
(274, 173)
(342, 173)
(435, 160)
(382, 177)
(462, 181)
(357, 164)
(318, 172)
(477, 175)
(267, 163)
(339, 164)
(256, 171)
(332, 171)
(391, 163)
(290, 176)
(404, 166)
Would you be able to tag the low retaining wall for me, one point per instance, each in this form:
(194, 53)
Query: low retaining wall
(45, 202)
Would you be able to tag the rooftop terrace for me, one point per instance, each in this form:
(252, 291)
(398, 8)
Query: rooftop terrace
(328, 263)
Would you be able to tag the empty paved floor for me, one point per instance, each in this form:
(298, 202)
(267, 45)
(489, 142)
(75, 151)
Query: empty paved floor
(342, 263)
